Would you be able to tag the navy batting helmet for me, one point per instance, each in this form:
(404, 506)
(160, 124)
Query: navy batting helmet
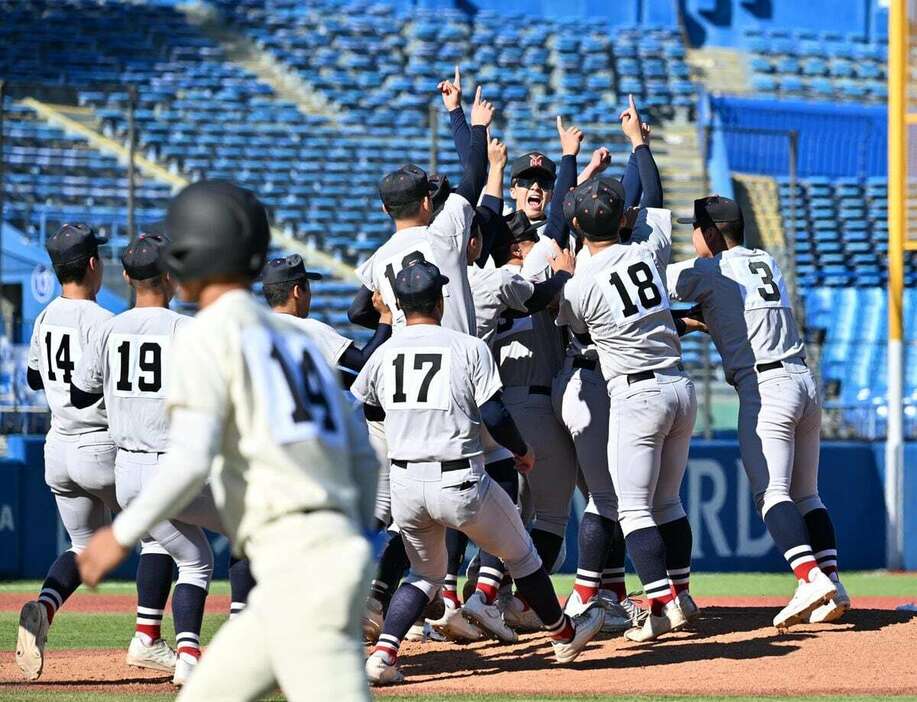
(216, 228)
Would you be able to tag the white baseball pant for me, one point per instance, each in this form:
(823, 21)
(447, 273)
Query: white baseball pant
(649, 434)
(553, 479)
(80, 470)
(183, 537)
(581, 404)
(426, 500)
(383, 511)
(779, 435)
(301, 628)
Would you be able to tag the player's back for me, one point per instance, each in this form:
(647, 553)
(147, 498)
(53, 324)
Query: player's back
(61, 332)
(431, 382)
(495, 290)
(746, 305)
(134, 351)
(287, 437)
(620, 294)
(443, 243)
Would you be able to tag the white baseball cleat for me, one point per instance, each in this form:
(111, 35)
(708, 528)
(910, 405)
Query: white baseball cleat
(688, 606)
(588, 625)
(30, 642)
(380, 672)
(671, 619)
(835, 608)
(421, 632)
(520, 616)
(372, 620)
(620, 616)
(808, 597)
(488, 617)
(455, 627)
(185, 664)
(157, 656)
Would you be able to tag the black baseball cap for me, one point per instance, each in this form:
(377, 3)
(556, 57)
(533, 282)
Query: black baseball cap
(142, 258)
(418, 282)
(72, 242)
(598, 205)
(520, 227)
(440, 189)
(532, 164)
(286, 269)
(406, 185)
(712, 209)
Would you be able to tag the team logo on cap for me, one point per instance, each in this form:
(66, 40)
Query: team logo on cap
(536, 160)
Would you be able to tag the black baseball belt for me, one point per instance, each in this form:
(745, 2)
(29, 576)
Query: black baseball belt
(444, 466)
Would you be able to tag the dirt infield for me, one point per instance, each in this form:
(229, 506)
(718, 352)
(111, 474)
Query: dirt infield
(733, 650)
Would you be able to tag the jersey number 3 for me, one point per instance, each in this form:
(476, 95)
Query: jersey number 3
(769, 292)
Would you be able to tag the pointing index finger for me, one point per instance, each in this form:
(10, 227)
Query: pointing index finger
(458, 78)
(560, 124)
(630, 102)
(477, 96)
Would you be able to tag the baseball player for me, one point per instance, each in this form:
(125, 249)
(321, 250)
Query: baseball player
(581, 403)
(253, 406)
(405, 195)
(617, 300)
(749, 314)
(79, 452)
(126, 362)
(436, 388)
(286, 289)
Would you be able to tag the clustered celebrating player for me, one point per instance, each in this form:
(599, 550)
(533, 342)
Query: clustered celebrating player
(515, 357)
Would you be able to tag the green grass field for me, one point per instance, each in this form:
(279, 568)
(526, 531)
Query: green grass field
(113, 630)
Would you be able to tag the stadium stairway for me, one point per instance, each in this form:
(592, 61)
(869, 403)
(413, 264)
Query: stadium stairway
(682, 172)
(720, 69)
(287, 84)
(84, 122)
(759, 196)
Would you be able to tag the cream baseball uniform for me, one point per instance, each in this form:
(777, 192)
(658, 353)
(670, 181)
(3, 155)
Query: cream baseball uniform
(444, 243)
(295, 485)
(79, 453)
(619, 298)
(749, 314)
(127, 360)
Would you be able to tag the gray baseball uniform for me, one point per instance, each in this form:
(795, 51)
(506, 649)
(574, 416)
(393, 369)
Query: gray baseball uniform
(444, 243)
(619, 298)
(431, 382)
(581, 404)
(330, 344)
(749, 314)
(127, 359)
(529, 353)
(79, 453)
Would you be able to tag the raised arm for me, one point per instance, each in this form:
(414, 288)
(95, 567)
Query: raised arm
(461, 132)
(475, 174)
(638, 133)
(601, 159)
(571, 138)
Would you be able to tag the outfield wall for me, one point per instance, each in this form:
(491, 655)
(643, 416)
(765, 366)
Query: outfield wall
(728, 535)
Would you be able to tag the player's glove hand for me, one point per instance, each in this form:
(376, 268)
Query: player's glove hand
(482, 112)
(101, 556)
(451, 92)
(526, 462)
(571, 138)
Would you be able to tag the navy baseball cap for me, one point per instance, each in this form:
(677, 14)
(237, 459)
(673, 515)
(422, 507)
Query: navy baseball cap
(533, 164)
(72, 242)
(418, 282)
(440, 189)
(142, 258)
(406, 185)
(520, 227)
(713, 209)
(286, 269)
(598, 205)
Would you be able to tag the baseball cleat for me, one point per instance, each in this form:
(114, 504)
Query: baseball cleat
(372, 620)
(835, 608)
(620, 616)
(588, 625)
(471, 577)
(157, 656)
(808, 597)
(185, 664)
(688, 606)
(671, 619)
(520, 616)
(421, 632)
(575, 607)
(30, 642)
(489, 618)
(380, 672)
(455, 627)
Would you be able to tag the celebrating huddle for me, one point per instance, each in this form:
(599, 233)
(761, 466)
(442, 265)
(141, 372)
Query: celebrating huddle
(515, 357)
